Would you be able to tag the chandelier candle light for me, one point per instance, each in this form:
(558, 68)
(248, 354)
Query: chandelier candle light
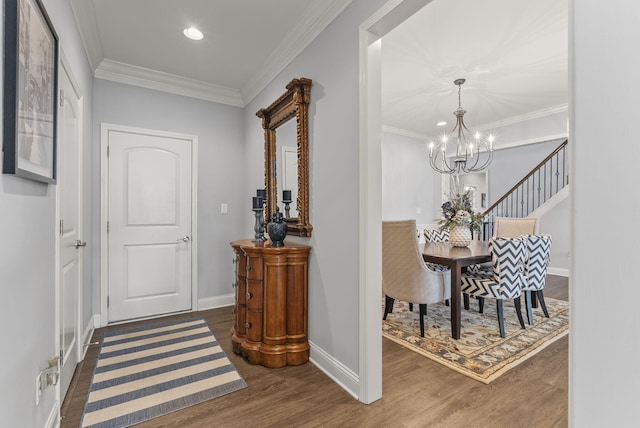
(471, 154)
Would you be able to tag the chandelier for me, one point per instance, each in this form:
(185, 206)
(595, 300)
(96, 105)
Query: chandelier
(471, 154)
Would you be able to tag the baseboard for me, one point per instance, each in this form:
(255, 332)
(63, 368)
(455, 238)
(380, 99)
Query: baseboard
(87, 334)
(338, 372)
(53, 421)
(558, 271)
(216, 302)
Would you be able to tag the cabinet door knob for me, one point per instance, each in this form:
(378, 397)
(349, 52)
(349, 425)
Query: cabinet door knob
(248, 296)
(249, 268)
(248, 325)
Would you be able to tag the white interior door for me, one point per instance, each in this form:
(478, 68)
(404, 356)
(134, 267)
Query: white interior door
(149, 224)
(69, 182)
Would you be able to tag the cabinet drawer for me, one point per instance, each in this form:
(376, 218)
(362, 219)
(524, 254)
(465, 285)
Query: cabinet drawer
(254, 268)
(253, 295)
(253, 325)
(241, 265)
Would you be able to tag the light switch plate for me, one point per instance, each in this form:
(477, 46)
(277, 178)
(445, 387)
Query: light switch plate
(224, 208)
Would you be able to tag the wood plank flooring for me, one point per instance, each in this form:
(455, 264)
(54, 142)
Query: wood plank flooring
(417, 392)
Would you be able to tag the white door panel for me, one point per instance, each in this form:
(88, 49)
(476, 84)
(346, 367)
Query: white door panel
(149, 225)
(69, 174)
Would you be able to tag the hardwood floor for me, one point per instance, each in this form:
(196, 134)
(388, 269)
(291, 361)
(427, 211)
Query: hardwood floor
(417, 392)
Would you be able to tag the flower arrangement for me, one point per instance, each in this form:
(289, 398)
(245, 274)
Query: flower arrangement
(458, 211)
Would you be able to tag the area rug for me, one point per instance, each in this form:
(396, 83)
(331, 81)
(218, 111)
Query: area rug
(150, 371)
(480, 353)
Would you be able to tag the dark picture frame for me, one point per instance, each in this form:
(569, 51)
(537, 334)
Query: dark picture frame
(30, 108)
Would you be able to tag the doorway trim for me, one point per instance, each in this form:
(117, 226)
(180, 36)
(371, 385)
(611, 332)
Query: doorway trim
(105, 128)
(389, 16)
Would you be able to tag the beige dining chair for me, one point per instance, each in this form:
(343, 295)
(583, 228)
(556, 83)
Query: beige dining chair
(405, 275)
(512, 227)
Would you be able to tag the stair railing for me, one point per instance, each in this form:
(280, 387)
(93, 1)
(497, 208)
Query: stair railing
(541, 184)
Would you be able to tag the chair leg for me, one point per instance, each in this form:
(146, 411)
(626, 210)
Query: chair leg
(542, 305)
(465, 299)
(410, 307)
(481, 305)
(516, 302)
(388, 306)
(423, 312)
(527, 302)
(500, 317)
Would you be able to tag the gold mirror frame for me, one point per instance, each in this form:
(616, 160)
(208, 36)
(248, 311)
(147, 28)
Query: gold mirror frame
(293, 103)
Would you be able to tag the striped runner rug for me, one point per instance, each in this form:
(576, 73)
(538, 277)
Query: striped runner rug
(150, 371)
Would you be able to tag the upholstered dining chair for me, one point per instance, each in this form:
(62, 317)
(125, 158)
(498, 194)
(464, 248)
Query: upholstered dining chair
(538, 254)
(405, 275)
(512, 227)
(505, 281)
(436, 235)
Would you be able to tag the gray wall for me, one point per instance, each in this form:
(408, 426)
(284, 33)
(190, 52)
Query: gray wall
(27, 262)
(604, 376)
(220, 175)
(331, 61)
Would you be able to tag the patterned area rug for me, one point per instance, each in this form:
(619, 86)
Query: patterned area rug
(147, 372)
(480, 353)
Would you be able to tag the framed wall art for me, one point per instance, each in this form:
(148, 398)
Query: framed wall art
(30, 91)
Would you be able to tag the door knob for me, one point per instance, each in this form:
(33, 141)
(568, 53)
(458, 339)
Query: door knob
(184, 239)
(79, 244)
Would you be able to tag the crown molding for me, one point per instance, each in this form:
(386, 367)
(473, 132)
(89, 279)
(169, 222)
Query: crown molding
(525, 117)
(85, 15)
(492, 125)
(404, 133)
(165, 82)
(306, 30)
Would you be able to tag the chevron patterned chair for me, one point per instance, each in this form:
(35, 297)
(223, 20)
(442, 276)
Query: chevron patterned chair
(538, 254)
(405, 275)
(436, 235)
(506, 279)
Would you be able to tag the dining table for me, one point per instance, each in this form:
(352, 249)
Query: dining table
(456, 259)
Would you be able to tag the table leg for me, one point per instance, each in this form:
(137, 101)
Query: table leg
(456, 295)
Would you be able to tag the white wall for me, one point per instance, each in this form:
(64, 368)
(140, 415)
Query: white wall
(220, 175)
(27, 263)
(604, 375)
(408, 182)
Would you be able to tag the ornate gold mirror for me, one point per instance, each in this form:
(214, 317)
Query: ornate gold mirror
(279, 158)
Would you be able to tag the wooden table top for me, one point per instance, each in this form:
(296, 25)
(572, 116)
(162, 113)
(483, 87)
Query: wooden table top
(477, 251)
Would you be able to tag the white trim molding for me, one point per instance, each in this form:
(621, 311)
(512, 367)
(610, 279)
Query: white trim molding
(334, 369)
(317, 18)
(165, 82)
(216, 302)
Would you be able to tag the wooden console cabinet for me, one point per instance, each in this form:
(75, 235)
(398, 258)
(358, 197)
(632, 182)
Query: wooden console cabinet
(270, 325)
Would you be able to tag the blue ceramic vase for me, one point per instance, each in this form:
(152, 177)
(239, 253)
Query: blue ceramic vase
(277, 229)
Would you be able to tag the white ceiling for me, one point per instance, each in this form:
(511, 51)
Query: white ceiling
(513, 53)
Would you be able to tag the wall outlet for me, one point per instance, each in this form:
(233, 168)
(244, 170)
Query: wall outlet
(38, 387)
(418, 210)
(224, 209)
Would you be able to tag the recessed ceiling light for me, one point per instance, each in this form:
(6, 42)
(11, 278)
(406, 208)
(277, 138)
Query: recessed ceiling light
(193, 33)
(441, 123)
